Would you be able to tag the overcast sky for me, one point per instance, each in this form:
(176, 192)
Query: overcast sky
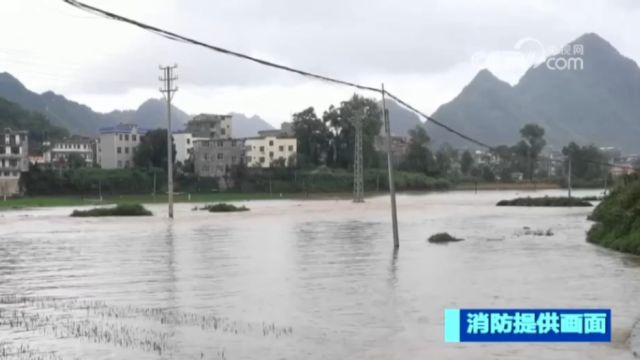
(424, 51)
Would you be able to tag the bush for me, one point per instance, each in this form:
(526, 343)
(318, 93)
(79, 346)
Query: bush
(222, 207)
(545, 201)
(617, 220)
(443, 238)
(119, 210)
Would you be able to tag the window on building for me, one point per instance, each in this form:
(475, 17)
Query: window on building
(271, 154)
(126, 149)
(206, 157)
(126, 137)
(126, 163)
(120, 137)
(223, 132)
(248, 159)
(134, 137)
(188, 141)
(261, 159)
(281, 147)
(261, 148)
(119, 163)
(290, 147)
(270, 142)
(220, 156)
(220, 143)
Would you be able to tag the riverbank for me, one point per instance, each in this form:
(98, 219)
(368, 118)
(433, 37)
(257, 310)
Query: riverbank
(617, 220)
(506, 186)
(77, 200)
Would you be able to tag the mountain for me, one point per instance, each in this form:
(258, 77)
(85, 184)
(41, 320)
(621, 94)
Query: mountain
(598, 103)
(13, 116)
(244, 126)
(81, 119)
(402, 120)
(151, 114)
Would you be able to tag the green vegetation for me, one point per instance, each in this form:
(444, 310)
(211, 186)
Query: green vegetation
(52, 201)
(545, 201)
(443, 238)
(224, 207)
(617, 220)
(152, 150)
(15, 117)
(118, 210)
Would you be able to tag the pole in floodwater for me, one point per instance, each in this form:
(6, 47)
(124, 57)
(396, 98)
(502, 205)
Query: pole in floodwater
(169, 91)
(392, 187)
(569, 178)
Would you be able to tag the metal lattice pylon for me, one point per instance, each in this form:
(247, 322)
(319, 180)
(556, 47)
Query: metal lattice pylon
(358, 174)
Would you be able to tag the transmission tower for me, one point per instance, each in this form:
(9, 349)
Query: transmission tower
(168, 90)
(358, 175)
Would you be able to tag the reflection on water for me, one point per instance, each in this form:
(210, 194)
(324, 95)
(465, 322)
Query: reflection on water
(299, 279)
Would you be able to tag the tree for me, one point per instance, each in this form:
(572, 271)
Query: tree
(445, 156)
(586, 161)
(419, 156)
(340, 123)
(313, 137)
(466, 162)
(530, 147)
(75, 161)
(152, 150)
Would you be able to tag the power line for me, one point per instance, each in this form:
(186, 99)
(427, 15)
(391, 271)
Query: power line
(184, 39)
(180, 38)
(446, 127)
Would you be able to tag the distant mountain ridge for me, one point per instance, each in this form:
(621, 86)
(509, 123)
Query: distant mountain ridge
(81, 119)
(244, 126)
(599, 104)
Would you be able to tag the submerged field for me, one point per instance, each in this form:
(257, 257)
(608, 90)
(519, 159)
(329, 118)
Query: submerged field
(291, 279)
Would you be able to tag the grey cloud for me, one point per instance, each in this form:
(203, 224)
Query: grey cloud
(348, 39)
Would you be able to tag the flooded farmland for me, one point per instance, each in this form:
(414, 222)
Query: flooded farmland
(296, 279)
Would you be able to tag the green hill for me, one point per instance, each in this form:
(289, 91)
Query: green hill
(15, 117)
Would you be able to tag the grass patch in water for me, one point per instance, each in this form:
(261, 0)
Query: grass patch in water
(545, 201)
(223, 207)
(443, 238)
(118, 210)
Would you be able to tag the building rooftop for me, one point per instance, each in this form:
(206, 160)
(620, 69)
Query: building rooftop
(122, 129)
(11, 131)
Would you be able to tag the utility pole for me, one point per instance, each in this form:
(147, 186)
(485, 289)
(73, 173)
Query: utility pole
(569, 177)
(358, 176)
(606, 178)
(392, 186)
(168, 90)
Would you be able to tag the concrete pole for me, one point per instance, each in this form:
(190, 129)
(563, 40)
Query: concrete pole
(392, 186)
(169, 91)
(569, 177)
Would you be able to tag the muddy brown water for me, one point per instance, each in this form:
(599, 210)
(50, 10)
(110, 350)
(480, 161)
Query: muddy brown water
(293, 279)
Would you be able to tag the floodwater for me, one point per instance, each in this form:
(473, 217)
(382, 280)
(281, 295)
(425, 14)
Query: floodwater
(293, 279)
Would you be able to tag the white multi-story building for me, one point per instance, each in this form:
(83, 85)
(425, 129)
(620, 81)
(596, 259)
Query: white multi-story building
(117, 144)
(60, 151)
(183, 142)
(14, 160)
(271, 146)
(211, 126)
